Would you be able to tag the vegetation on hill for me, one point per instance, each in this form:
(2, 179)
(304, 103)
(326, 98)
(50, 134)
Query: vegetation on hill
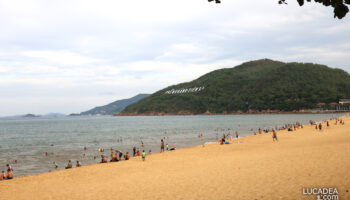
(256, 85)
(114, 107)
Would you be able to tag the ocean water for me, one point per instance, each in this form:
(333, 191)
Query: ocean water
(28, 139)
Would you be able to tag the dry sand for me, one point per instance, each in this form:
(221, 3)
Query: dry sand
(257, 168)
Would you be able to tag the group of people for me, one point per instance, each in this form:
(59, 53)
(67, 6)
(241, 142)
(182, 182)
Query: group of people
(8, 175)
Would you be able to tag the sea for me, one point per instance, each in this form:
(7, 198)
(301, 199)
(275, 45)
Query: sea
(24, 142)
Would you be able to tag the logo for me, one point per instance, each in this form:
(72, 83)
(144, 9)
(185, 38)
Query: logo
(322, 193)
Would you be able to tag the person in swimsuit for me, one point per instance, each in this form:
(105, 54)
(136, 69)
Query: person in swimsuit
(134, 151)
(78, 164)
(9, 174)
(127, 156)
(2, 176)
(274, 135)
(69, 165)
(161, 145)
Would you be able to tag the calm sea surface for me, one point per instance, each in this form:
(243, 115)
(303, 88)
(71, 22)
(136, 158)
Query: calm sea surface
(26, 140)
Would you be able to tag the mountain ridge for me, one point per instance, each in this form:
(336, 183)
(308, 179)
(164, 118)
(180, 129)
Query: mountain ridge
(256, 86)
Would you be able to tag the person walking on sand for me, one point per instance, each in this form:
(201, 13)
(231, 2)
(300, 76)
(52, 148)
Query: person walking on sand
(237, 135)
(143, 155)
(320, 126)
(274, 135)
(161, 145)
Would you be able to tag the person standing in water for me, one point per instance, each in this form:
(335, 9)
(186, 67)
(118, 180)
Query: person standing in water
(143, 155)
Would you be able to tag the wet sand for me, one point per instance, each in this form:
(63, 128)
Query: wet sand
(256, 168)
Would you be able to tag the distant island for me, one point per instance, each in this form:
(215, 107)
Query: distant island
(112, 108)
(261, 86)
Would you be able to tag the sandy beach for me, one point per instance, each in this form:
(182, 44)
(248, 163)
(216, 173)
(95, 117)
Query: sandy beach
(255, 168)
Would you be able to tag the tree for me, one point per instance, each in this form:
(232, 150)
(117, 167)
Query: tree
(340, 6)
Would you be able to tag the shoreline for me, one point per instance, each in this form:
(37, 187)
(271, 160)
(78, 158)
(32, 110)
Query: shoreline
(251, 150)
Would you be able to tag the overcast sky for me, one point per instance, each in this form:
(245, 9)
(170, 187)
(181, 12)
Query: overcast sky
(71, 55)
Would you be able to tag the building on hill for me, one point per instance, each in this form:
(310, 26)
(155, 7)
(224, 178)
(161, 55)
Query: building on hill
(344, 104)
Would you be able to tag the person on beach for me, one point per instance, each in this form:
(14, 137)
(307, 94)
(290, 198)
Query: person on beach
(167, 146)
(120, 154)
(143, 155)
(274, 135)
(127, 156)
(150, 152)
(161, 145)
(174, 148)
(55, 164)
(9, 174)
(9, 167)
(69, 165)
(78, 164)
(134, 151)
(259, 130)
(112, 153)
(2, 175)
(138, 152)
(237, 135)
(104, 159)
(320, 126)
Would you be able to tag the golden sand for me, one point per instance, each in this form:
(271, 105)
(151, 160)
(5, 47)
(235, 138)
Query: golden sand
(257, 168)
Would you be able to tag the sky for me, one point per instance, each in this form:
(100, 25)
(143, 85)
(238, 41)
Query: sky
(70, 56)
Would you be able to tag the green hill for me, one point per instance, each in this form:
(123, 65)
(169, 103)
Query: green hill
(253, 86)
(114, 107)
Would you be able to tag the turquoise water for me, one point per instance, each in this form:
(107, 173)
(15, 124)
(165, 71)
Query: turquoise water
(26, 140)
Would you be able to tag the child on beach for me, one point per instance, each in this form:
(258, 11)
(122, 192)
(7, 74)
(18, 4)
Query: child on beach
(143, 155)
(274, 135)
(78, 164)
(55, 164)
(2, 175)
